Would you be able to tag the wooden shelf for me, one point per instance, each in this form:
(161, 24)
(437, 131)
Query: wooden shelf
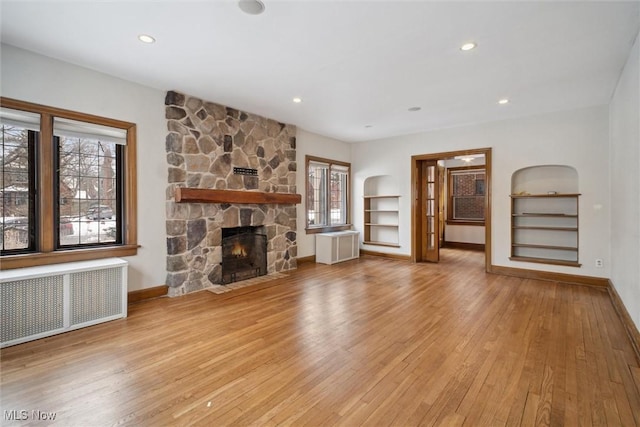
(381, 210)
(544, 215)
(527, 227)
(548, 196)
(555, 248)
(391, 245)
(371, 224)
(556, 219)
(381, 197)
(205, 195)
(546, 261)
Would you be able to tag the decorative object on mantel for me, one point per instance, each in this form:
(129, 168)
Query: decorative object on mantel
(205, 195)
(245, 171)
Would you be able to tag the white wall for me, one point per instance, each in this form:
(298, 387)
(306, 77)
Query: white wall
(27, 76)
(464, 233)
(625, 185)
(577, 138)
(308, 143)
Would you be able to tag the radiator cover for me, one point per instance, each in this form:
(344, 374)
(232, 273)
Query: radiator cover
(337, 246)
(37, 302)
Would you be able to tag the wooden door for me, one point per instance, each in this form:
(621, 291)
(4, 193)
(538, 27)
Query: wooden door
(430, 211)
(441, 196)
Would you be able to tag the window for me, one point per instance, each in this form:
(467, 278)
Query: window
(89, 161)
(68, 186)
(466, 196)
(327, 195)
(20, 131)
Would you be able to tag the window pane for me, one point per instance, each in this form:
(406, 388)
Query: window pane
(17, 210)
(316, 194)
(339, 182)
(88, 208)
(468, 195)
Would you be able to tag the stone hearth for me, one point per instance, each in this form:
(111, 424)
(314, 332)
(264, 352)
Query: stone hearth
(205, 141)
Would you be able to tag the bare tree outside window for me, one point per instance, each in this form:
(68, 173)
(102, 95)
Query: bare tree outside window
(87, 191)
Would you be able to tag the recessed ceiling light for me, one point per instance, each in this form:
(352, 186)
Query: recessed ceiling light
(415, 108)
(297, 100)
(252, 7)
(145, 38)
(503, 101)
(468, 46)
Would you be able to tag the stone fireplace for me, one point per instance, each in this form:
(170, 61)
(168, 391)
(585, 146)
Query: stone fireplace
(210, 146)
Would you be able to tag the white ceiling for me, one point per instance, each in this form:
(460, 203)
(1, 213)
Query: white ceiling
(354, 63)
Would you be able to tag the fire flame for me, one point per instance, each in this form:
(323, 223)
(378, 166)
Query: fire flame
(238, 250)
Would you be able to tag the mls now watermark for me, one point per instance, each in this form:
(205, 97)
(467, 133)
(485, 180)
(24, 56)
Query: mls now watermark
(33, 415)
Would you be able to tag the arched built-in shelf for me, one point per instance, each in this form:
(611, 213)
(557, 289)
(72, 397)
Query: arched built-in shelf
(381, 211)
(544, 215)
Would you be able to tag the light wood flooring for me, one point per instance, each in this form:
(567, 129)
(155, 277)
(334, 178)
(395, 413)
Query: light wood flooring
(367, 342)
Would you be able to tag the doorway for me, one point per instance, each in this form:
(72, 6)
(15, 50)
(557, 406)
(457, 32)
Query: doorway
(427, 204)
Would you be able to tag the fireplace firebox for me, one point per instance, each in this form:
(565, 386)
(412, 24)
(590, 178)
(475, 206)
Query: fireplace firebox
(244, 253)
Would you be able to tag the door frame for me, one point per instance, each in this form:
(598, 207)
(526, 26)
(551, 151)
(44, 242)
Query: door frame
(416, 163)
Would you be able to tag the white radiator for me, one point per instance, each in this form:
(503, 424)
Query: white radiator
(337, 246)
(37, 302)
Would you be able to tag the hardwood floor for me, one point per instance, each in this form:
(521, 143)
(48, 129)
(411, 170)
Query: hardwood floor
(367, 342)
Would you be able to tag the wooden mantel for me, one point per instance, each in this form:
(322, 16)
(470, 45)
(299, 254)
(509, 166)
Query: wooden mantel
(205, 195)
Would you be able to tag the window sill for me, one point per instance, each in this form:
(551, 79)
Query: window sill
(45, 258)
(328, 229)
(462, 222)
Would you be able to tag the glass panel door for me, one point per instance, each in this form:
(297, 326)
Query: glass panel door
(431, 220)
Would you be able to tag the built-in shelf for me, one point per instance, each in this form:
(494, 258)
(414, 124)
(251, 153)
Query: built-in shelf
(206, 195)
(381, 217)
(544, 228)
